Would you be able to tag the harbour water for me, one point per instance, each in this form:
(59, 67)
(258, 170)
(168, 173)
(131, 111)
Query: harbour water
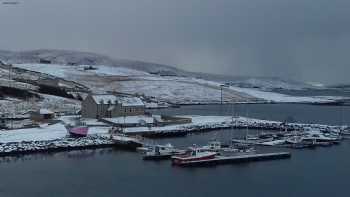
(110, 172)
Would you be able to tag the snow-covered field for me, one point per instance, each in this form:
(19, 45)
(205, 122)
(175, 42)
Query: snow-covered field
(59, 104)
(46, 133)
(178, 90)
(65, 71)
(15, 107)
(268, 84)
(273, 96)
(172, 89)
(283, 98)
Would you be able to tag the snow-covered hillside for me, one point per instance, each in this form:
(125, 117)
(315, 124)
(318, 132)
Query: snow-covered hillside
(65, 57)
(159, 82)
(265, 83)
(64, 71)
(172, 89)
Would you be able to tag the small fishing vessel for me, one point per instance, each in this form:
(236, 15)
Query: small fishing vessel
(160, 152)
(294, 140)
(195, 154)
(213, 145)
(298, 142)
(312, 138)
(79, 129)
(321, 138)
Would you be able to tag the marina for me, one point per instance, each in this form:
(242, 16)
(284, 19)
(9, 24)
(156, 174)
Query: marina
(288, 135)
(309, 162)
(174, 98)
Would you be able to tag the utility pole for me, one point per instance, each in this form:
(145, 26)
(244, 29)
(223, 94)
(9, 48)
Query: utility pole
(221, 86)
(9, 75)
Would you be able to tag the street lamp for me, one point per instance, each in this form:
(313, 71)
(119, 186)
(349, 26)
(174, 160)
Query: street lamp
(221, 87)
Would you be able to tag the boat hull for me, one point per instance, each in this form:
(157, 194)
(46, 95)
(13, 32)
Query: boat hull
(183, 160)
(126, 142)
(80, 131)
(157, 157)
(131, 145)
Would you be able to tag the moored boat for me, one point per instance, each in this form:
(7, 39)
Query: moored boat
(77, 131)
(127, 142)
(160, 152)
(195, 154)
(321, 138)
(213, 145)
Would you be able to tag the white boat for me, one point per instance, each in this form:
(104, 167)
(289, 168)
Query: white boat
(217, 146)
(273, 142)
(294, 139)
(159, 152)
(213, 145)
(320, 137)
(252, 137)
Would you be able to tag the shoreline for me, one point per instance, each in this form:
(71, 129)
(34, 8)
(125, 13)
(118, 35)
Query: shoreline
(54, 137)
(54, 146)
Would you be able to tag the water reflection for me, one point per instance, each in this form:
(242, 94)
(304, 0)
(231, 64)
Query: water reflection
(73, 155)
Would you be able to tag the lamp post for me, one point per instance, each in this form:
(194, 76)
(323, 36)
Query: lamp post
(221, 96)
(10, 69)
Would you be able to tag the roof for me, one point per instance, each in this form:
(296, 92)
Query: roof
(130, 101)
(45, 111)
(112, 99)
(104, 98)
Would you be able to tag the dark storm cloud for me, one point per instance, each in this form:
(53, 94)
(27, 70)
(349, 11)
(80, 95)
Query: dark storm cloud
(300, 39)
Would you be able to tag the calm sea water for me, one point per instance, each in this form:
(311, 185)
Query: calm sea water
(109, 172)
(335, 115)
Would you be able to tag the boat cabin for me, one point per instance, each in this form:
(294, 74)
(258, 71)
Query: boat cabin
(214, 145)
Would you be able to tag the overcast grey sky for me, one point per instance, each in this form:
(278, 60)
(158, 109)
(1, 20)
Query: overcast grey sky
(305, 40)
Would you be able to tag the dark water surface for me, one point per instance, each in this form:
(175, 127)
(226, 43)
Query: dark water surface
(315, 92)
(335, 115)
(321, 172)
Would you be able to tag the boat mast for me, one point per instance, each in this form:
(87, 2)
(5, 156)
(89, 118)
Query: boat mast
(247, 129)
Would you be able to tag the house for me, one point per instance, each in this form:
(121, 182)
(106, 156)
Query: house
(42, 115)
(109, 106)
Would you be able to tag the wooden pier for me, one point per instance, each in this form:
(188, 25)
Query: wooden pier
(237, 159)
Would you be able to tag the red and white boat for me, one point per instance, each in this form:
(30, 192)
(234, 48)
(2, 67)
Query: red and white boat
(195, 154)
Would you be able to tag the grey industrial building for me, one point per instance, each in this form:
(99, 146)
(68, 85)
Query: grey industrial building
(109, 106)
